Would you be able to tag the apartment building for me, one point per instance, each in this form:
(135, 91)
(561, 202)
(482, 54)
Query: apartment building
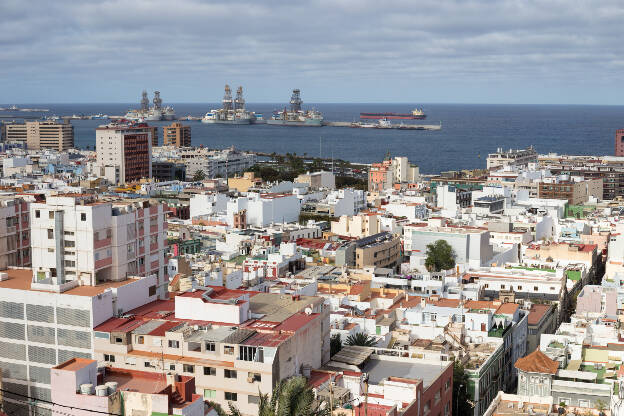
(154, 135)
(177, 134)
(619, 142)
(575, 191)
(235, 343)
(386, 174)
(124, 152)
(216, 163)
(44, 322)
(318, 180)
(80, 238)
(378, 250)
(358, 226)
(14, 232)
(41, 134)
(515, 157)
(78, 384)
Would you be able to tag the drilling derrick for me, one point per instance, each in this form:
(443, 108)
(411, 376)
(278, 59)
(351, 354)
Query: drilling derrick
(239, 102)
(144, 101)
(227, 98)
(157, 100)
(295, 101)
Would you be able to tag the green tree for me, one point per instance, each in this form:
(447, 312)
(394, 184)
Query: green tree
(199, 176)
(461, 400)
(440, 256)
(292, 396)
(335, 344)
(361, 339)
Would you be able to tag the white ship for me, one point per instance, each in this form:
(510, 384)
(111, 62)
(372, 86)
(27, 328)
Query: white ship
(154, 113)
(232, 112)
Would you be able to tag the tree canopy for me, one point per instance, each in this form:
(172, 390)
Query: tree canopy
(361, 339)
(440, 256)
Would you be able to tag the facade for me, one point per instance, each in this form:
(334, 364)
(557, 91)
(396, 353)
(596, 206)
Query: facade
(512, 157)
(575, 192)
(619, 142)
(44, 323)
(80, 239)
(378, 250)
(14, 233)
(124, 152)
(358, 226)
(168, 171)
(208, 334)
(221, 164)
(243, 183)
(177, 134)
(154, 134)
(78, 384)
(41, 134)
(542, 319)
(318, 180)
(386, 174)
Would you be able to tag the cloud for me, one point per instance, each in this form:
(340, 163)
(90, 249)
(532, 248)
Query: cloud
(430, 50)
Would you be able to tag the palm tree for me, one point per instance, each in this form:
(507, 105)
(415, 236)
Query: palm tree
(290, 397)
(361, 339)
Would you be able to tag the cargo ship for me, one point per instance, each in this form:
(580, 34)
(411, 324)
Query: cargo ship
(296, 116)
(416, 114)
(232, 112)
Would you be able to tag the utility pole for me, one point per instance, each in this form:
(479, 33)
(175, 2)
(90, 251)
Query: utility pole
(365, 394)
(331, 396)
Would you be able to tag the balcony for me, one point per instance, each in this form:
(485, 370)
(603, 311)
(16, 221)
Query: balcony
(153, 247)
(153, 229)
(25, 243)
(154, 265)
(141, 250)
(101, 243)
(103, 262)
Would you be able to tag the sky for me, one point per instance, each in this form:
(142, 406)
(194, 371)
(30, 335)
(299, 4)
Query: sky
(411, 51)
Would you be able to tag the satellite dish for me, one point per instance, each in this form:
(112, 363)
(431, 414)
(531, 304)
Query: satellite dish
(308, 311)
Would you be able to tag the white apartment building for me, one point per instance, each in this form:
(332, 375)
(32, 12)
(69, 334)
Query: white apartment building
(511, 157)
(208, 204)
(82, 239)
(43, 324)
(265, 209)
(124, 152)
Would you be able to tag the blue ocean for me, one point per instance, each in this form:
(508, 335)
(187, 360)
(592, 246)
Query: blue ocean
(469, 132)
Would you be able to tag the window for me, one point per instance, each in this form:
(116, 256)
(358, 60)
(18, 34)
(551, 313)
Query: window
(172, 367)
(502, 286)
(187, 368)
(140, 339)
(118, 340)
(232, 397)
(246, 353)
(109, 358)
(83, 216)
(535, 288)
(229, 373)
(37, 213)
(210, 371)
(68, 233)
(251, 399)
(68, 243)
(254, 376)
(152, 291)
(50, 233)
(70, 263)
(519, 288)
(51, 215)
(147, 364)
(174, 344)
(210, 346)
(228, 349)
(210, 394)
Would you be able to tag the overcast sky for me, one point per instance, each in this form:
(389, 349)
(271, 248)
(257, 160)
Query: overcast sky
(416, 51)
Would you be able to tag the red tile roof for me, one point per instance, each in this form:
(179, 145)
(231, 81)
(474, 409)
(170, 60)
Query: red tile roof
(537, 362)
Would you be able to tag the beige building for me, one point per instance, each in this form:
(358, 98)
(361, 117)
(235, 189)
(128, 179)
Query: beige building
(236, 344)
(357, 226)
(575, 192)
(14, 132)
(379, 250)
(49, 134)
(177, 135)
(154, 132)
(243, 183)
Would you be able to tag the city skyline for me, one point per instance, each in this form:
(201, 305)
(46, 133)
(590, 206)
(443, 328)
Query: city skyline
(430, 52)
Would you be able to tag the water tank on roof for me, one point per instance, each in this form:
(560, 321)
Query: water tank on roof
(112, 386)
(86, 388)
(101, 391)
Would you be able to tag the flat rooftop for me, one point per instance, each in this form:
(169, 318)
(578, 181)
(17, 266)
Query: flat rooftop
(379, 370)
(21, 279)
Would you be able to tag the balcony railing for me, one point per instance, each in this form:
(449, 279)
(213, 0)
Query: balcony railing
(103, 262)
(101, 243)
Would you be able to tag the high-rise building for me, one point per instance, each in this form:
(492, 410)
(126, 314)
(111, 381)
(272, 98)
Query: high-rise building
(14, 232)
(124, 152)
(619, 142)
(177, 135)
(154, 131)
(80, 238)
(40, 134)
